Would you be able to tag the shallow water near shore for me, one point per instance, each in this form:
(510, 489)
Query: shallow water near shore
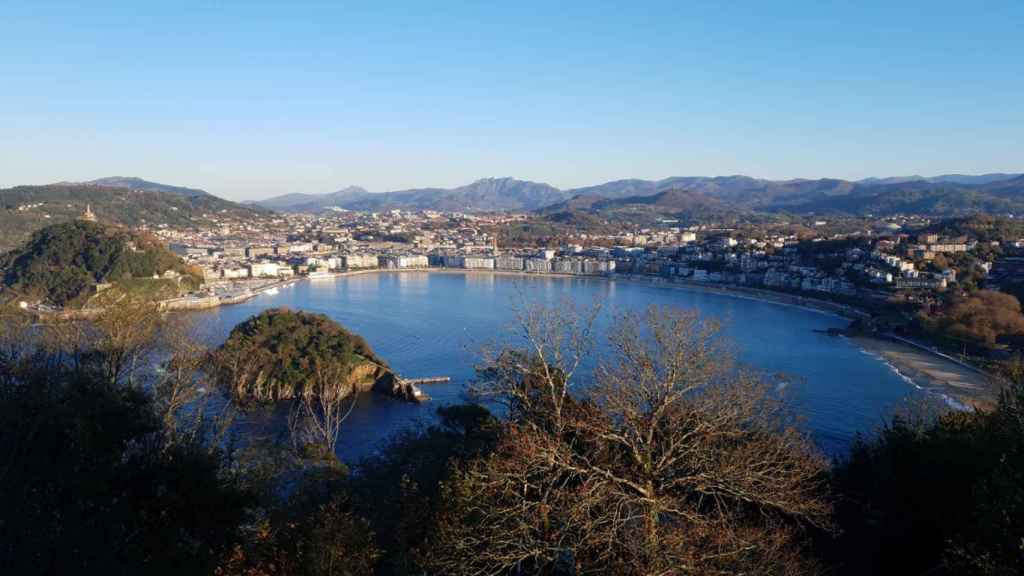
(428, 325)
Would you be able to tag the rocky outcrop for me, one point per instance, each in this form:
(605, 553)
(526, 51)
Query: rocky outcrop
(393, 385)
(368, 376)
(371, 377)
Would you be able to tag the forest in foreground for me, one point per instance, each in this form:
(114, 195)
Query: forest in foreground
(119, 456)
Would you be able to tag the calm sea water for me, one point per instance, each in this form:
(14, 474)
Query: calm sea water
(427, 324)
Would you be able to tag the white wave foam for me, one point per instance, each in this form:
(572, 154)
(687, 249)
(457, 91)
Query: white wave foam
(946, 398)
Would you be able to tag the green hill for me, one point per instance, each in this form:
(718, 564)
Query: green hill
(62, 264)
(279, 354)
(140, 184)
(683, 205)
(25, 209)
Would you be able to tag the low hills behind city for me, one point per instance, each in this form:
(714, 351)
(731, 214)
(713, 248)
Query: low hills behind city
(138, 202)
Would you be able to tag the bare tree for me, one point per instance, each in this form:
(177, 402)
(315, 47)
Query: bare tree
(67, 342)
(17, 342)
(119, 342)
(182, 388)
(537, 376)
(318, 413)
(128, 336)
(672, 460)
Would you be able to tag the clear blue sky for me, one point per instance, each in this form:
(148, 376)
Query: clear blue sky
(248, 100)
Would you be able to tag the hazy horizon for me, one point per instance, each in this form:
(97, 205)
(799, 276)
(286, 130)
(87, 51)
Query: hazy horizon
(253, 101)
(343, 187)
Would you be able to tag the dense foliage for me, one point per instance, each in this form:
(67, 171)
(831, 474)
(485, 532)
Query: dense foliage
(945, 497)
(61, 264)
(275, 354)
(983, 317)
(982, 227)
(673, 460)
(91, 480)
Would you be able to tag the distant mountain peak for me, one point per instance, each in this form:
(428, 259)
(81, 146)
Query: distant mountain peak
(353, 189)
(136, 183)
(969, 179)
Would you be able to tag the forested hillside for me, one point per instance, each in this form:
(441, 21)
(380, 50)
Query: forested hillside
(62, 264)
(25, 209)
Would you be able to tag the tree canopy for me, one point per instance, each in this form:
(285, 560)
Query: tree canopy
(61, 264)
(983, 317)
(280, 354)
(936, 497)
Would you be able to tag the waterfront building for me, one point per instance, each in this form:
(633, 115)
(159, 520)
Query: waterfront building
(394, 261)
(598, 266)
(453, 261)
(508, 262)
(358, 261)
(264, 269)
(478, 263)
(537, 264)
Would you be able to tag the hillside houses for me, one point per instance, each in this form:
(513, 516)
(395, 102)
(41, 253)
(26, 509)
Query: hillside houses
(876, 261)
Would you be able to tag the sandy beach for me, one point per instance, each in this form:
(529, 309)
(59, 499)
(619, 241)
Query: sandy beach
(965, 386)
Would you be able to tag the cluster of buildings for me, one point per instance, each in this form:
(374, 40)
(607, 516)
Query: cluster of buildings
(854, 265)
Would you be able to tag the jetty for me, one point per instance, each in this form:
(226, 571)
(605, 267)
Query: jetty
(409, 388)
(433, 380)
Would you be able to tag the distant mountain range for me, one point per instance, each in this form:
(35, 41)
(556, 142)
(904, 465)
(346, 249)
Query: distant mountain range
(950, 194)
(947, 178)
(482, 195)
(679, 203)
(312, 202)
(134, 201)
(140, 184)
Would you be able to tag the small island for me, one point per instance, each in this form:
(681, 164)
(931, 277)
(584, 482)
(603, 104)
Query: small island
(281, 354)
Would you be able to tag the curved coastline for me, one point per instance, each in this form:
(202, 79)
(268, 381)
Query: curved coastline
(780, 298)
(434, 324)
(960, 386)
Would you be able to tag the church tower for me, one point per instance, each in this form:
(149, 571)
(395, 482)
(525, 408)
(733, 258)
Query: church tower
(88, 216)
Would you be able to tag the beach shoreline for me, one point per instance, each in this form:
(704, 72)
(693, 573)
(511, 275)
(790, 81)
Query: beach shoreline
(961, 386)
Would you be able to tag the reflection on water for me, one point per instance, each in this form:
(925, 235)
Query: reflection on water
(433, 325)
